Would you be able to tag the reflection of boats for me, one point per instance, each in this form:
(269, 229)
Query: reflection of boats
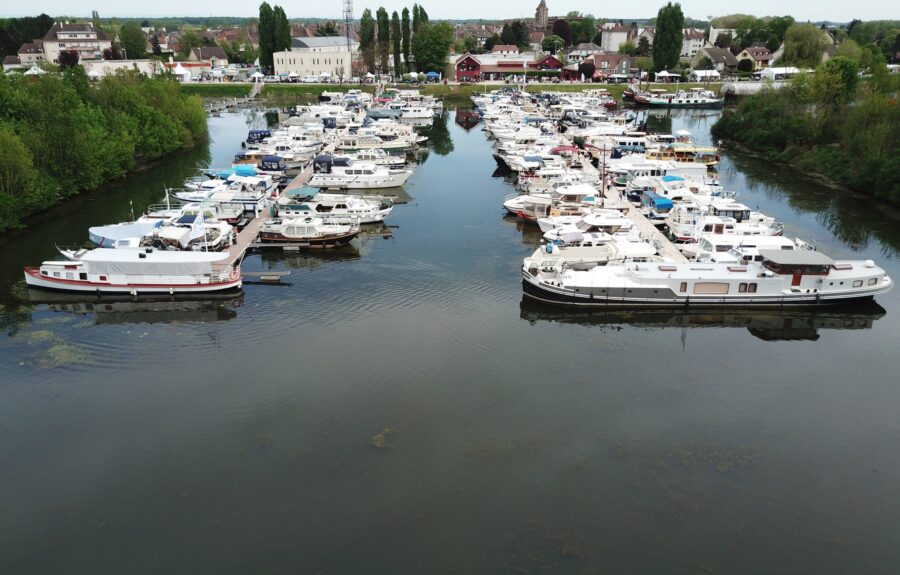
(467, 119)
(773, 325)
(163, 309)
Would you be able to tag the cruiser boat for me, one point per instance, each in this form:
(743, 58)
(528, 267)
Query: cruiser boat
(591, 250)
(138, 272)
(309, 232)
(687, 222)
(783, 278)
(377, 157)
(723, 248)
(335, 208)
(340, 173)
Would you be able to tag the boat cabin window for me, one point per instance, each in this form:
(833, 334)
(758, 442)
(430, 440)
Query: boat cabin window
(683, 287)
(82, 276)
(858, 283)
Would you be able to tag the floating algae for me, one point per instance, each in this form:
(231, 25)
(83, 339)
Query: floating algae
(379, 440)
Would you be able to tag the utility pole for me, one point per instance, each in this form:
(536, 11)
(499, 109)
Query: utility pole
(348, 24)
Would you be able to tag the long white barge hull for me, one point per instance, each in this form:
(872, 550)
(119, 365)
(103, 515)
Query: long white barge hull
(33, 278)
(658, 297)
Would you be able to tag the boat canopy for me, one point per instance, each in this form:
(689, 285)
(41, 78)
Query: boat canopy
(302, 192)
(672, 179)
(245, 170)
(150, 262)
(107, 236)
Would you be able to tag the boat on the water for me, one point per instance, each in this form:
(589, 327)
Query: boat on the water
(340, 173)
(781, 279)
(138, 271)
(334, 208)
(307, 232)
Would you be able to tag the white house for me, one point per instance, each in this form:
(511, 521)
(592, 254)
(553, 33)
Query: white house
(613, 35)
(691, 42)
(325, 56)
(581, 51)
(82, 38)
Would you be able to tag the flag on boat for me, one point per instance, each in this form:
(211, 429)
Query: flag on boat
(197, 230)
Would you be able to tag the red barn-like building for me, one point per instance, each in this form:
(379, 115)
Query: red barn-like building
(473, 68)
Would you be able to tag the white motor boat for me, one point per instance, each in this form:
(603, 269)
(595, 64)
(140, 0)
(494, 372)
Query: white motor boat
(335, 208)
(339, 173)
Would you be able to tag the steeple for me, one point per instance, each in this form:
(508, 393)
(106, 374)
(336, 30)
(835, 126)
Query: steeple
(540, 16)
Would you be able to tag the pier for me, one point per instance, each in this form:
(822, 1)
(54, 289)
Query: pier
(663, 244)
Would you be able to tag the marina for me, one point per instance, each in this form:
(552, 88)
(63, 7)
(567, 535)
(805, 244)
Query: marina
(409, 388)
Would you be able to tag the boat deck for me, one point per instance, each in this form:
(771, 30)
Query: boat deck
(663, 244)
(244, 239)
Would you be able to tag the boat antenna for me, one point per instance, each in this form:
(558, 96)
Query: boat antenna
(168, 206)
(131, 205)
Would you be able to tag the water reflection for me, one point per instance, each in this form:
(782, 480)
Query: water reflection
(467, 119)
(767, 325)
(109, 311)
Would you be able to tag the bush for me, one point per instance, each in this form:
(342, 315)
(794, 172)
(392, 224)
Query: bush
(60, 136)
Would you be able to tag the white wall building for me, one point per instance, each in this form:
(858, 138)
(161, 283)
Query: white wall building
(81, 37)
(326, 56)
(100, 68)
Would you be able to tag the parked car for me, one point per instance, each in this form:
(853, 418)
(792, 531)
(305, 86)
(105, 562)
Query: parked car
(272, 80)
(310, 80)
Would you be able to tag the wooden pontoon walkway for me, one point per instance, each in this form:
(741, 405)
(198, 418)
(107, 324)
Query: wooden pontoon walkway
(664, 245)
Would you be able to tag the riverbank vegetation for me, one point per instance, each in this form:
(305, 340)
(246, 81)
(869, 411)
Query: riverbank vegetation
(60, 135)
(827, 123)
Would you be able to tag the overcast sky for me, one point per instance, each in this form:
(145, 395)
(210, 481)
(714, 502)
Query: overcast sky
(802, 10)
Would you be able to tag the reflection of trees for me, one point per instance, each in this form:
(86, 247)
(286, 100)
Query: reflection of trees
(439, 135)
(852, 218)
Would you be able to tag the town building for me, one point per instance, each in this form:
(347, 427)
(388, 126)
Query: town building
(759, 55)
(215, 55)
(692, 41)
(505, 49)
(605, 64)
(541, 16)
(478, 67)
(325, 56)
(722, 59)
(614, 34)
(581, 51)
(80, 37)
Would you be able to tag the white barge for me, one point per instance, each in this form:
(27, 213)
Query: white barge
(138, 271)
(782, 278)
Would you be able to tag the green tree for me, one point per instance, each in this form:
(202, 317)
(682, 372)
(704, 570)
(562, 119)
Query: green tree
(188, 39)
(834, 83)
(281, 39)
(395, 43)
(133, 40)
(326, 29)
(643, 47)
(431, 46)
(470, 44)
(384, 40)
(562, 29)
(890, 43)
(404, 27)
(584, 30)
(367, 39)
(491, 42)
(552, 44)
(415, 19)
(804, 45)
(266, 27)
(850, 49)
(668, 38)
(628, 48)
(724, 40)
(745, 65)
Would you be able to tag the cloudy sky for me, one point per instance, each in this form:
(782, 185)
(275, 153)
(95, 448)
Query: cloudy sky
(834, 10)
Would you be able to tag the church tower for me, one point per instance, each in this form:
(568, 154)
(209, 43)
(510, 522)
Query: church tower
(540, 16)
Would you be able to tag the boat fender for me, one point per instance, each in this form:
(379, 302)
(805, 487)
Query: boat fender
(549, 248)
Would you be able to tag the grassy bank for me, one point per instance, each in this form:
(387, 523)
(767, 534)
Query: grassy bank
(216, 90)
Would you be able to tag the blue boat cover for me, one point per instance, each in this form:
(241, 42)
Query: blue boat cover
(304, 192)
(534, 159)
(245, 170)
(273, 159)
(672, 179)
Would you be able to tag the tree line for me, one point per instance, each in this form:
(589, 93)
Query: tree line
(274, 33)
(407, 40)
(60, 135)
(830, 123)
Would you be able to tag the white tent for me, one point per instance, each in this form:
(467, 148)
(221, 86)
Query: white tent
(665, 75)
(703, 75)
(182, 74)
(35, 71)
(257, 76)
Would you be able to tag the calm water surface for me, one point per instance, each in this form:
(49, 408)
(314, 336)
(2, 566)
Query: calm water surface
(396, 409)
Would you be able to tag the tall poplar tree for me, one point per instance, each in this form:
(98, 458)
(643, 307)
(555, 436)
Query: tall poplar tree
(395, 42)
(266, 35)
(669, 36)
(404, 25)
(367, 39)
(384, 39)
(282, 34)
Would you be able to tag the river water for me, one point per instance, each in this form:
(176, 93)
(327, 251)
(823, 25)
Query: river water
(396, 409)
